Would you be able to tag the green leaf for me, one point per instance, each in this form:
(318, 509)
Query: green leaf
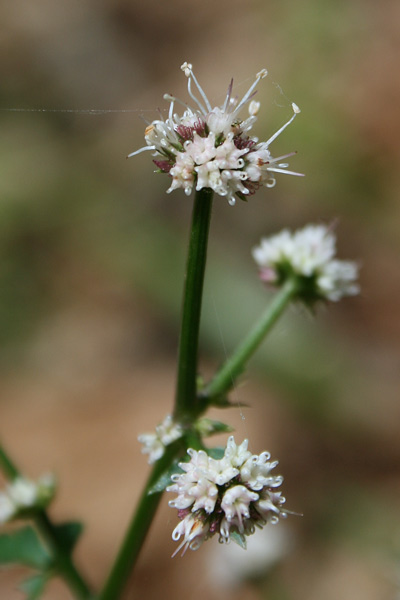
(216, 453)
(165, 479)
(208, 427)
(23, 547)
(34, 586)
(222, 401)
(68, 535)
(239, 539)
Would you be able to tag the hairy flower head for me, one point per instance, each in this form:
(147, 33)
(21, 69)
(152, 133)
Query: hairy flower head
(229, 496)
(309, 255)
(210, 147)
(154, 443)
(22, 495)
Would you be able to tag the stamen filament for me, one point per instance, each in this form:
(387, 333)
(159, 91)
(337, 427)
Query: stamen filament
(249, 92)
(202, 93)
(193, 97)
(228, 96)
(276, 170)
(278, 133)
(141, 150)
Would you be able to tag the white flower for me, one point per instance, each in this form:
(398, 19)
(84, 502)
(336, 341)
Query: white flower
(209, 147)
(236, 455)
(22, 494)
(194, 532)
(154, 443)
(338, 279)
(236, 502)
(309, 254)
(7, 508)
(228, 496)
(256, 472)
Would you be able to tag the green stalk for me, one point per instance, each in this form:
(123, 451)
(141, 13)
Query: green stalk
(6, 464)
(137, 530)
(186, 395)
(63, 562)
(224, 379)
(186, 388)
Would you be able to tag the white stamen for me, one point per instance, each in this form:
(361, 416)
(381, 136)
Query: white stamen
(276, 170)
(228, 96)
(193, 97)
(284, 156)
(202, 93)
(141, 150)
(254, 107)
(277, 133)
(263, 73)
(170, 99)
(187, 68)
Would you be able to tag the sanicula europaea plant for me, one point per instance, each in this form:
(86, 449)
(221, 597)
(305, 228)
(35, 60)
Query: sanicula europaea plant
(226, 492)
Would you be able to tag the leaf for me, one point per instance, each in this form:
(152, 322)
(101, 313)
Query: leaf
(222, 401)
(34, 586)
(208, 427)
(239, 539)
(216, 453)
(165, 479)
(68, 534)
(23, 547)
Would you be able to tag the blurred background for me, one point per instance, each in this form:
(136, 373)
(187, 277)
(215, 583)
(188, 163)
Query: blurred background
(91, 267)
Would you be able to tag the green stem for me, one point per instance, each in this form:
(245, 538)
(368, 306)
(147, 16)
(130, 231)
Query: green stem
(10, 470)
(186, 395)
(186, 388)
(137, 530)
(224, 379)
(63, 562)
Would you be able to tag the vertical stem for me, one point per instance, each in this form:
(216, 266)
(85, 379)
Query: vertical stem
(185, 400)
(137, 531)
(7, 465)
(186, 394)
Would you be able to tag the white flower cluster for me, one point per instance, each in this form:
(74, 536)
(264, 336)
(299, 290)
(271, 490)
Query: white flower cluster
(154, 443)
(308, 253)
(23, 494)
(228, 496)
(210, 147)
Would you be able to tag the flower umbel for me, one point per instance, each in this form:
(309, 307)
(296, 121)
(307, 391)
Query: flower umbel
(210, 147)
(229, 496)
(22, 495)
(307, 254)
(154, 443)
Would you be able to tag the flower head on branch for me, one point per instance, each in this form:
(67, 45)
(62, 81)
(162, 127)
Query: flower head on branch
(307, 254)
(22, 495)
(154, 443)
(208, 147)
(228, 496)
